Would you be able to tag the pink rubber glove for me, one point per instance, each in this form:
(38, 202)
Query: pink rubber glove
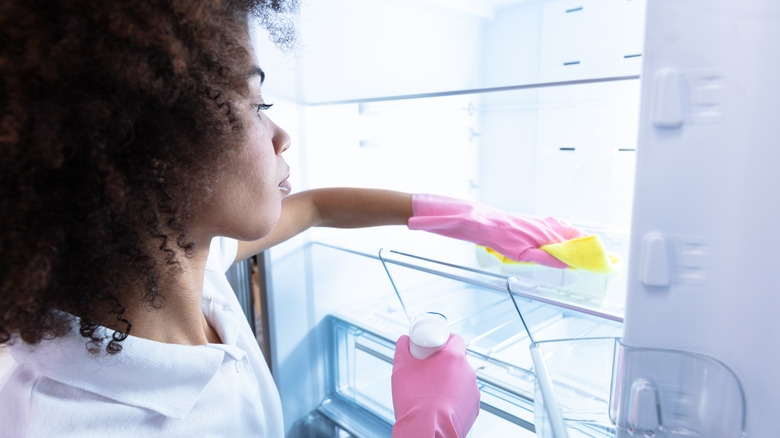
(436, 396)
(516, 237)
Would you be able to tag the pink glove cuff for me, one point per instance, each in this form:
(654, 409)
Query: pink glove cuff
(435, 205)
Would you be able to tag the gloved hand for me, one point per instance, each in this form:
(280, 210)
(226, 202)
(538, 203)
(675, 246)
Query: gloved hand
(516, 237)
(436, 396)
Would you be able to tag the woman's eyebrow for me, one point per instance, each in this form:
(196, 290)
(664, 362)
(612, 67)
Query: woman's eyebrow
(257, 71)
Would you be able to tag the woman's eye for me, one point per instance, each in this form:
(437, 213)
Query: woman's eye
(262, 107)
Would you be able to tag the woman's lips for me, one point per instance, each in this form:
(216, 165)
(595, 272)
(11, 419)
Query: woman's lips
(285, 187)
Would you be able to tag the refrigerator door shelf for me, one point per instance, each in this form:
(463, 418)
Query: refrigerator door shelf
(605, 388)
(670, 394)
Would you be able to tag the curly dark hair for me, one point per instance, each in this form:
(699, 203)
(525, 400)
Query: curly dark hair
(111, 114)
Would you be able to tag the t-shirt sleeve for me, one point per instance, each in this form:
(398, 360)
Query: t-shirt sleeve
(222, 254)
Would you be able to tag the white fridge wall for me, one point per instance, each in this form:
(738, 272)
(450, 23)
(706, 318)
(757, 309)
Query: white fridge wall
(566, 151)
(704, 258)
(412, 146)
(350, 49)
(508, 122)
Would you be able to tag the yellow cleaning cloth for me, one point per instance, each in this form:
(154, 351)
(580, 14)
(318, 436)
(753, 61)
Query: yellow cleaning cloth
(586, 253)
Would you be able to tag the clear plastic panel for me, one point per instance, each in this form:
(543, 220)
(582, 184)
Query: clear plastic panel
(362, 368)
(581, 375)
(603, 388)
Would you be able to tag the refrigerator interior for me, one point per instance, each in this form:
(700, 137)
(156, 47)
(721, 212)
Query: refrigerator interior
(530, 106)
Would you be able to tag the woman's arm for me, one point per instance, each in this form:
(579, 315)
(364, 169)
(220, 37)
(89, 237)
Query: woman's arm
(339, 207)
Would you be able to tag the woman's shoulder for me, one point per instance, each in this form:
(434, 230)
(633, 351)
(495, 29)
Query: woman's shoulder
(33, 405)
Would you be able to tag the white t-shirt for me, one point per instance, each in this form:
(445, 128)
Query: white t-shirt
(149, 389)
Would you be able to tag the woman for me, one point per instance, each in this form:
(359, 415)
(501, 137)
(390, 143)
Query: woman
(137, 164)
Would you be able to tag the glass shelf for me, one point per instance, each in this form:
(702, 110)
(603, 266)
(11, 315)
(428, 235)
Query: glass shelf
(444, 46)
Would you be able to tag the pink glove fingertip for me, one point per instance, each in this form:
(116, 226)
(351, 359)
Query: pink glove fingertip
(565, 228)
(541, 257)
(401, 350)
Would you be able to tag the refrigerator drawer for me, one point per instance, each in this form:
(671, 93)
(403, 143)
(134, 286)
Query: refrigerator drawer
(333, 359)
(479, 307)
(362, 366)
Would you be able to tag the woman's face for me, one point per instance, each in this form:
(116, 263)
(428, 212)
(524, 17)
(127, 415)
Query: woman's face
(245, 202)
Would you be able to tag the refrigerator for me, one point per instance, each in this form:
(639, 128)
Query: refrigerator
(646, 122)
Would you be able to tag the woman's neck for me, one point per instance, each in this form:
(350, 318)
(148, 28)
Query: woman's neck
(180, 320)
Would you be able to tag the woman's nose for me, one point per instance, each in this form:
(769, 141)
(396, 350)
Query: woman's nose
(281, 140)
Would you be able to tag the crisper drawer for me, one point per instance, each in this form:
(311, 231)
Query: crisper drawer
(363, 344)
(362, 365)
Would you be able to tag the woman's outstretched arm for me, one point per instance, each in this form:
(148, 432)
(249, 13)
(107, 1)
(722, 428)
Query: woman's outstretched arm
(338, 207)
